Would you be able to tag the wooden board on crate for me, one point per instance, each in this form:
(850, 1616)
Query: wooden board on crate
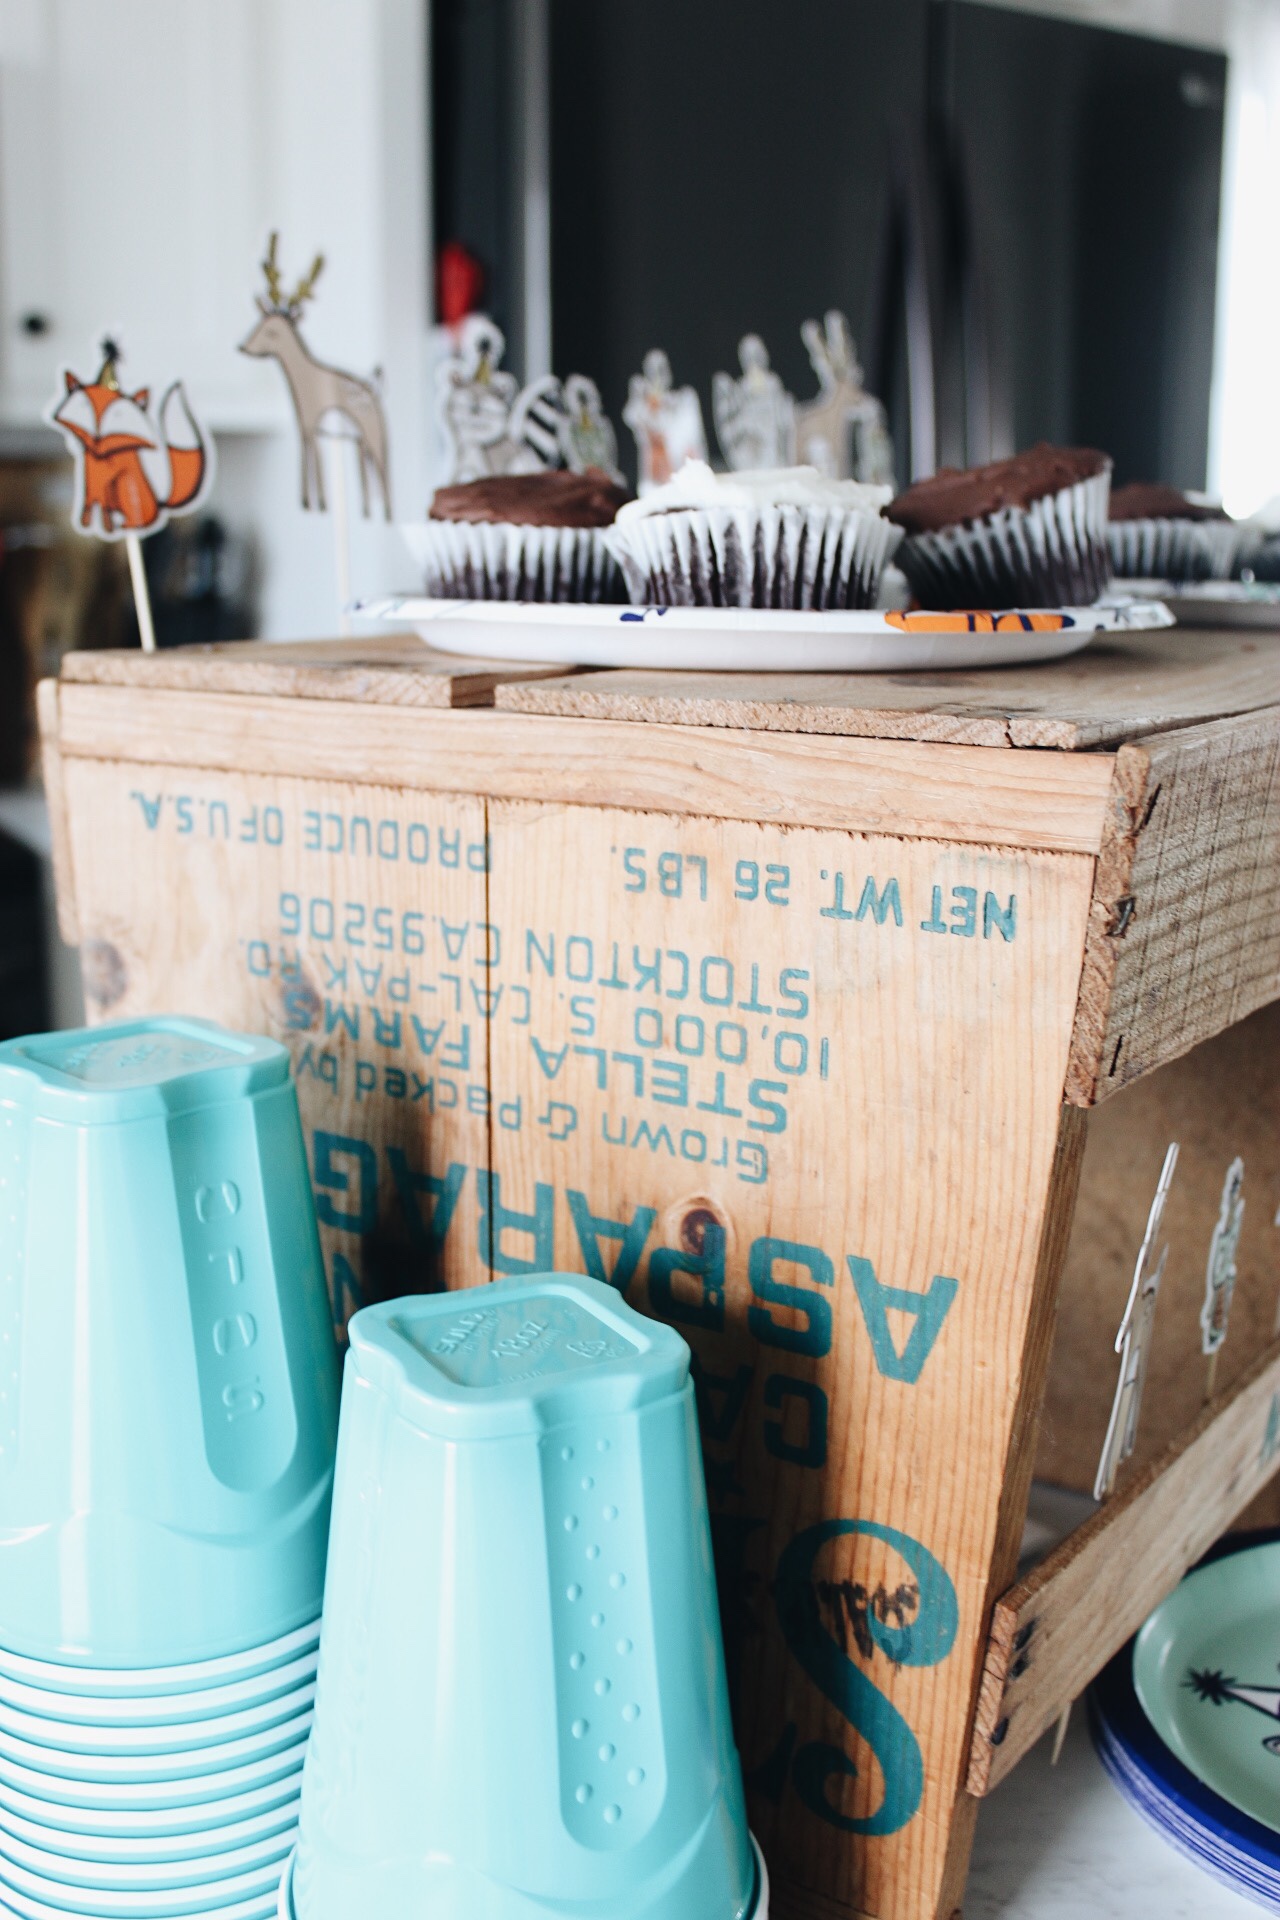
(775, 1031)
(393, 669)
(736, 1048)
(1120, 688)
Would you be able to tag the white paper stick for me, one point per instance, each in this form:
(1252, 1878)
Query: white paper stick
(341, 527)
(141, 596)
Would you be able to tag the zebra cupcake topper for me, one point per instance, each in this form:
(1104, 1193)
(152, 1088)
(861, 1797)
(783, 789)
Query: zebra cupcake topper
(492, 424)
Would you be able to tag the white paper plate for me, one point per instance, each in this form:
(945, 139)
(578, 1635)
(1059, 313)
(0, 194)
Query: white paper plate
(96, 1849)
(63, 1677)
(757, 640)
(760, 1911)
(117, 1822)
(160, 1709)
(146, 1767)
(257, 1906)
(134, 1796)
(1226, 603)
(69, 1737)
(146, 1877)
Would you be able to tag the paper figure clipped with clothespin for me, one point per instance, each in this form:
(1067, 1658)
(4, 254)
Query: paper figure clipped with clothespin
(328, 403)
(755, 416)
(135, 468)
(1220, 1270)
(492, 424)
(1133, 1341)
(587, 438)
(844, 431)
(666, 422)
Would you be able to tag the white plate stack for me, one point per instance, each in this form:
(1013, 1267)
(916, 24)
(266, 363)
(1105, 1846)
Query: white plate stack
(153, 1792)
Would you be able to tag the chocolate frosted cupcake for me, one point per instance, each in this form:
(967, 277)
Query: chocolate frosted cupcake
(528, 536)
(788, 538)
(1026, 532)
(1160, 533)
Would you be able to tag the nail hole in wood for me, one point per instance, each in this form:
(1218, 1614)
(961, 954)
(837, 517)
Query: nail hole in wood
(1151, 806)
(1115, 1058)
(999, 1731)
(1022, 1636)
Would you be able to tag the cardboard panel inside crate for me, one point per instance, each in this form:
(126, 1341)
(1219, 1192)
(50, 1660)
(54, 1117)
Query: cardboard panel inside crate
(1220, 1100)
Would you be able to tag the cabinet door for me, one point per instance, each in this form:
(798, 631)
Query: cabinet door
(133, 196)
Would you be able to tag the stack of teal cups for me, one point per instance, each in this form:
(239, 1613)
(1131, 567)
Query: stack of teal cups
(168, 1410)
(522, 1706)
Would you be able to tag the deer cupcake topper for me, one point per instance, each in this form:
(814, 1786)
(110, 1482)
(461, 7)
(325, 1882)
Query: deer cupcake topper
(135, 467)
(329, 403)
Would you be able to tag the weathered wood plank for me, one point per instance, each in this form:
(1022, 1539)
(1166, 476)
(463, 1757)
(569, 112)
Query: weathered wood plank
(344, 922)
(56, 795)
(1184, 930)
(1118, 689)
(1052, 801)
(386, 669)
(1057, 1628)
(717, 1087)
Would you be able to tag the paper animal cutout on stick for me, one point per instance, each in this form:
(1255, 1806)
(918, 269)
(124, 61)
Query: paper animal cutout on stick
(755, 416)
(1133, 1341)
(666, 422)
(587, 438)
(843, 432)
(328, 402)
(491, 424)
(134, 467)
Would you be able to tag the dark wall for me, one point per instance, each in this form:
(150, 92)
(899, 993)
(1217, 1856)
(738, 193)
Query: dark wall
(728, 165)
(1094, 160)
(719, 168)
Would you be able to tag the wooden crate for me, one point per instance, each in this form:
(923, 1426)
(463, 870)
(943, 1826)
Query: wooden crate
(795, 1007)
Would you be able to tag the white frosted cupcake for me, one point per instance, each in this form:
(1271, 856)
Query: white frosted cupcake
(789, 538)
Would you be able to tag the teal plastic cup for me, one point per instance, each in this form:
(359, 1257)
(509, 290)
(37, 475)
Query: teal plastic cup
(168, 1377)
(521, 1706)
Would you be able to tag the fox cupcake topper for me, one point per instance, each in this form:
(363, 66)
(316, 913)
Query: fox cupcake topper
(136, 466)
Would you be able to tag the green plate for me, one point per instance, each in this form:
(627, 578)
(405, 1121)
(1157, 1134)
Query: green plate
(1206, 1667)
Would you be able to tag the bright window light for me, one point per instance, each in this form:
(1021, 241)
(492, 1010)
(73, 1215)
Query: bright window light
(1245, 440)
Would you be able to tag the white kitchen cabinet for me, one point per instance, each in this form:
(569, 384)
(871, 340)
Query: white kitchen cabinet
(146, 149)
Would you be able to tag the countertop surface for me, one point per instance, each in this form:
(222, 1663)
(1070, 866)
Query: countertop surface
(1060, 1843)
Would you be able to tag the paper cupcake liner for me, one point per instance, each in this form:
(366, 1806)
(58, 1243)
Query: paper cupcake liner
(1050, 554)
(792, 557)
(465, 560)
(1259, 556)
(1173, 549)
(1227, 541)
